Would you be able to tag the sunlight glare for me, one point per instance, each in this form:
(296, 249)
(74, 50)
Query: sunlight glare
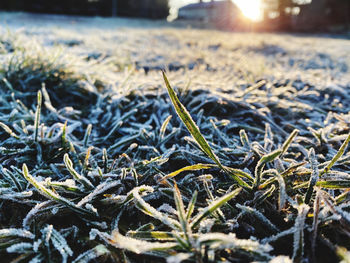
(251, 9)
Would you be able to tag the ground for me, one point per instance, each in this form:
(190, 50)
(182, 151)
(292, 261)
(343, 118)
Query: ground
(90, 138)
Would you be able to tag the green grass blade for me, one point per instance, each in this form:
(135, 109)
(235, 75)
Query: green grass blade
(189, 123)
(80, 178)
(288, 142)
(164, 126)
(239, 173)
(194, 167)
(261, 164)
(282, 194)
(151, 235)
(191, 205)
(337, 156)
(64, 136)
(182, 214)
(334, 184)
(181, 241)
(180, 208)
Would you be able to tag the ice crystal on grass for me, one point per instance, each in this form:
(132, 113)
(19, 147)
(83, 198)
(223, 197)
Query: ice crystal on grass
(258, 215)
(92, 254)
(16, 233)
(58, 242)
(23, 247)
(222, 241)
(298, 240)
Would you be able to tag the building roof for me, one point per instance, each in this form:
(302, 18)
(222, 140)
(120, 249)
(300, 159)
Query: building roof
(205, 5)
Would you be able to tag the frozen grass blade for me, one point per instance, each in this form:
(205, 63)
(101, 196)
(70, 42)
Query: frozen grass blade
(80, 178)
(244, 138)
(337, 156)
(178, 258)
(334, 184)
(237, 173)
(289, 140)
(282, 194)
(216, 204)
(50, 194)
(87, 157)
(181, 213)
(314, 175)
(298, 241)
(194, 167)
(146, 208)
(266, 195)
(254, 87)
(64, 136)
(180, 210)
(16, 232)
(87, 135)
(8, 130)
(22, 247)
(230, 241)
(164, 126)
(139, 246)
(315, 222)
(37, 116)
(189, 123)
(60, 243)
(196, 134)
(152, 235)
(105, 160)
(261, 164)
(258, 215)
(8, 84)
(92, 254)
(191, 205)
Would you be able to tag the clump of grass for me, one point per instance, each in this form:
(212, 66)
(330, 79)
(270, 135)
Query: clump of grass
(111, 178)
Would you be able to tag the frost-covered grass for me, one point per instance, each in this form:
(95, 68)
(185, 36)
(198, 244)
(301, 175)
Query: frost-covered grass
(237, 154)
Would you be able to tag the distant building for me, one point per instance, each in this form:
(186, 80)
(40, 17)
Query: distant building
(220, 13)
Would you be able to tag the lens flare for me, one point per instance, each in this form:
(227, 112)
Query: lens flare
(252, 9)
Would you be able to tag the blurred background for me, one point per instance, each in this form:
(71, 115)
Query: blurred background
(240, 15)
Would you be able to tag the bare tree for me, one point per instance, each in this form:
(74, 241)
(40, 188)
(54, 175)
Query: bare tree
(281, 10)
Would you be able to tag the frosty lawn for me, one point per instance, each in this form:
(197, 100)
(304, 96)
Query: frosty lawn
(237, 153)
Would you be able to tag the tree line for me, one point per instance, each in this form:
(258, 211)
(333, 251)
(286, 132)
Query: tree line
(307, 14)
(133, 8)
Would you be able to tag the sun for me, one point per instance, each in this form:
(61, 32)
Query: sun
(251, 9)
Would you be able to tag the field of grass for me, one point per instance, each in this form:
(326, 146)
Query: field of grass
(238, 153)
